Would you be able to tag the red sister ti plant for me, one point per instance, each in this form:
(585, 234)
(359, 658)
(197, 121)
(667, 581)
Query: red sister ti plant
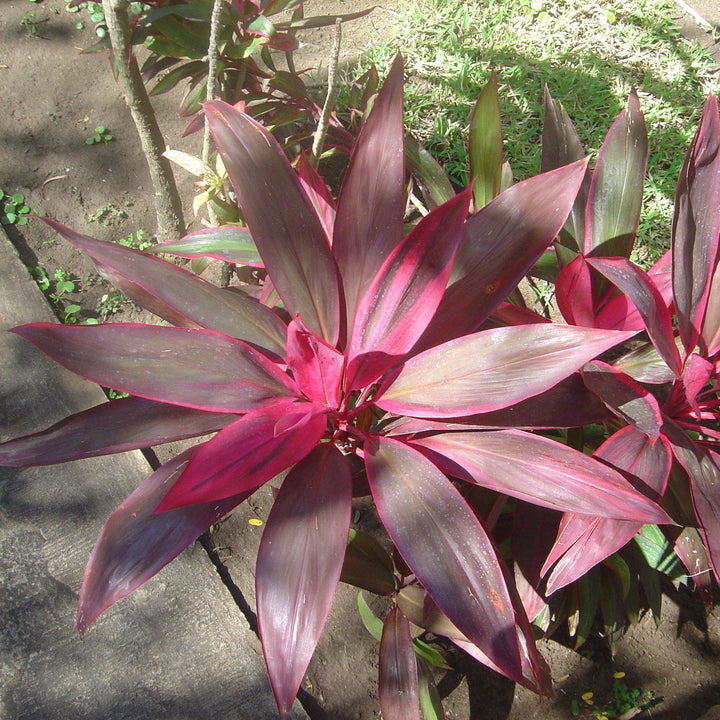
(379, 370)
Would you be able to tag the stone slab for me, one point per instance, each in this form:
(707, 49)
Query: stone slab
(178, 648)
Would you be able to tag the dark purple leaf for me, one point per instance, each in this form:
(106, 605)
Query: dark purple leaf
(180, 297)
(616, 190)
(298, 566)
(492, 369)
(195, 368)
(561, 146)
(229, 243)
(403, 297)
(398, 678)
(643, 292)
(112, 427)
(485, 145)
(316, 366)
(562, 478)
(695, 229)
(626, 398)
(121, 561)
(368, 224)
(567, 404)
(585, 541)
(287, 231)
(499, 246)
(248, 453)
(445, 546)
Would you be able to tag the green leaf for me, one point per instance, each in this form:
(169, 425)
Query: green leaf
(485, 145)
(429, 654)
(372, 623)
(430, 703)
(18, 198)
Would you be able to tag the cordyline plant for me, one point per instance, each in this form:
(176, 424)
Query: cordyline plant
(377, 371)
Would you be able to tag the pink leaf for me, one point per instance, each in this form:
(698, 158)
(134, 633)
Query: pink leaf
(298, 566)
(398, 683)
(368, 224)
(248, 453)
(444, 545)
(195, 368)
(316, 366)
(573, 292)
(562, 478)
(492, 369)
(283, 223)
(404, 295)
(120, 561)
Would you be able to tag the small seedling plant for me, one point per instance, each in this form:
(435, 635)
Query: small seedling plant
(370, 362)
(14, 209)
(100, 135)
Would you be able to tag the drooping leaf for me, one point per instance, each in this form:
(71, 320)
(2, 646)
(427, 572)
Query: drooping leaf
(367, 565)
(445, 546)
(696, 224)
(637, 285)
(492, 369)
(562, 478)
(616, 190)
(561, 146)
(111, 427)
(179, 296)
(404, 295)
(645, 364)
(120, 561)
(248, 453)
(229, 243)
(368, 223)
(195, 368)
(316, 366)
(398, 678)
(485, 145)
(499, 245)
(286, 230)
(626, 398)
(298, 566)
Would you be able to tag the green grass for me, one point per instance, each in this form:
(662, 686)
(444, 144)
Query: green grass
(590, 55)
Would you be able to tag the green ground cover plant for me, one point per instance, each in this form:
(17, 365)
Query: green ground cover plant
(590, 58)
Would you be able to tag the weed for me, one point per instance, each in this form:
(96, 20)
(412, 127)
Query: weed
(101, 134)
(136, 240)
(107, 215)
(624, 700)
(14, 210)
(30, 22)
(56, 290)
(112, 303)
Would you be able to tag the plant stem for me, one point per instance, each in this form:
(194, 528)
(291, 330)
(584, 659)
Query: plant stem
(212, 78)
(321, 132)
(167, 200)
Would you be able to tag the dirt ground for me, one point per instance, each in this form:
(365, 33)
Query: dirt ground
(53, 98)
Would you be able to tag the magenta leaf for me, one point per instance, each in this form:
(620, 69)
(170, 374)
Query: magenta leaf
(626, 398)
(316, 366)
(195, 368)
(111, 427)
(492, 369)
(404, 295)
(696, 375)
(298, 566)
(585, 541)
(318, 194)
(180, 297)
(444, 545)
(229, 243)
(562, 478)
(398, 678)
(248, 453)
(646, 297)
(616, 190)
(561, 146)
(286, 230)
(368, 224)
(120, 561)
(499, 245)
(485, 145)
(695, 230)
(573, 292)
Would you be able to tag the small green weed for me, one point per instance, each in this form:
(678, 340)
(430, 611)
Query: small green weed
(107, 215)
(14, 209)
(136, 240)
(31, 22)
(624, 701)
(112, 303)
(56, 290)
(101, 134)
